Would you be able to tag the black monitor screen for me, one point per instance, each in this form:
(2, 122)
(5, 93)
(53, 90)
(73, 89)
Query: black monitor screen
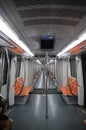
(47, 43)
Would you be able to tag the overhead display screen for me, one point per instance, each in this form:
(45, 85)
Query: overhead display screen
(47, 42)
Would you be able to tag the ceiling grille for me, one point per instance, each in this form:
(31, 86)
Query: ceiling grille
(50, 21)
(52, 12)
(19, 3)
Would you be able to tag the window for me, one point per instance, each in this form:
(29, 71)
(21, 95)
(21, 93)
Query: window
(18, 65)
(73, 67)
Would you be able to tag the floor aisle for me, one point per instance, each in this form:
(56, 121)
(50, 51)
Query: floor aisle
(40, 84)
(31, 116)
(61, 116)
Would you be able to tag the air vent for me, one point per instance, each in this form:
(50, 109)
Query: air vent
(50, 22)
(28, 13)
(19, 3)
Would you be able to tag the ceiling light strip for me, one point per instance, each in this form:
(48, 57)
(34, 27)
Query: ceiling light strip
(73, 44)
(6, 29)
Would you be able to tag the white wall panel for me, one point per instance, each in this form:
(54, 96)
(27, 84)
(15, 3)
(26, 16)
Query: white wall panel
(12, 81)
(27, 72)
(60, 72)
(66, 71)
(30, 72)
(80, 81)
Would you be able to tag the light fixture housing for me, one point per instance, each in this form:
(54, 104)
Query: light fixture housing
(81, 38)
(8, 31)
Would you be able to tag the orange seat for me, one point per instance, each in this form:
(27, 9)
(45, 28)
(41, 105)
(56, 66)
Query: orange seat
(73, 86)
(18, 86)
(26, 91)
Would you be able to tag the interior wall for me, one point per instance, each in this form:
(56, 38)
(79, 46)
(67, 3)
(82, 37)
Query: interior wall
(80, 81)
(22, 69)
(52, 68)
(38, 67)
(28, 71)
(34, 67)
(12, 81)
(66, 71)
(61, 71)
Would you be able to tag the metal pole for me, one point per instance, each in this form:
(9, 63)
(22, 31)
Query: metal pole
(1, 71)
(44, 76)
(49, 74)
(55, 71)
(46, 101)
(46, 117)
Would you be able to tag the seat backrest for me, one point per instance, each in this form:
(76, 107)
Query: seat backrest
(73, 84)
(18, 85)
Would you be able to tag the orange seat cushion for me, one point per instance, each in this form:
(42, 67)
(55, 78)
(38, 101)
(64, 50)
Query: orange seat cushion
(73, 85)
(18, 85)
(26, 91)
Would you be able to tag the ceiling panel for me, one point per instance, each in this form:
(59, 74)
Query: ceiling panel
(52, 12)
(51, 22)
(64, 19)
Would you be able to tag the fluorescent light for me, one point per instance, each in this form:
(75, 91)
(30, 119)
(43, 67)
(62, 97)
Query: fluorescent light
(38, 61)
(73, 44)
(51, 61)
(7, 30)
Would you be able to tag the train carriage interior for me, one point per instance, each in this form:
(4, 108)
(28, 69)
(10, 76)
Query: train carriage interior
(42, 64)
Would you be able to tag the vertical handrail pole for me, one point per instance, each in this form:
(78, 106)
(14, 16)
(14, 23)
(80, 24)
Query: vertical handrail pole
(1, 71)
(49, 74)
(46, 91)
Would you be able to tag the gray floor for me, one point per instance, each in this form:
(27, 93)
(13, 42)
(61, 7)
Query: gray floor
(41, 83)
(61, 116)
